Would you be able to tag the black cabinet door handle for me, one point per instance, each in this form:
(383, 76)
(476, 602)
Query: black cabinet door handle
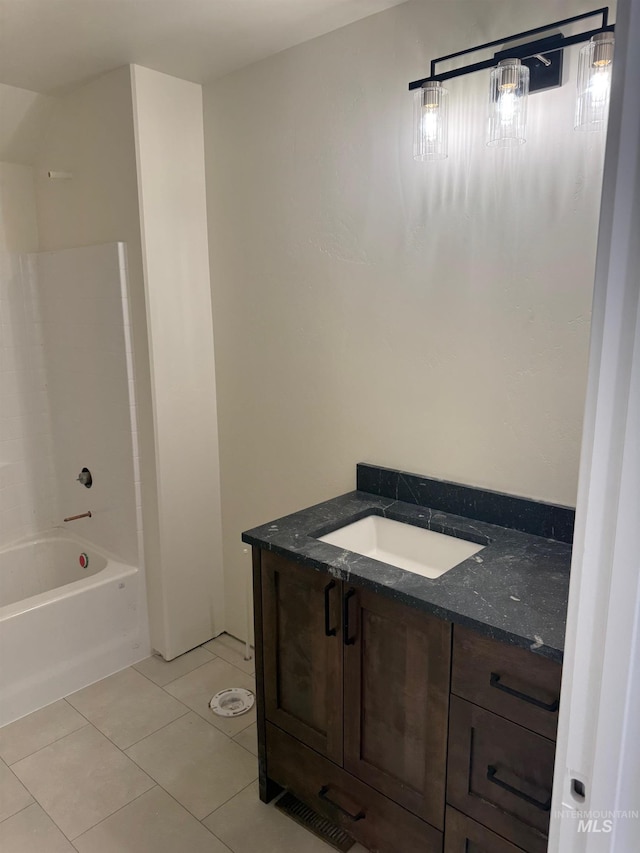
(328, 630)
(491, 776)
(546, 706)
(322, 793)
(348, 640)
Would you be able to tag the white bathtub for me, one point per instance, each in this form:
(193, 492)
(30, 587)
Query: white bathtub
(63, 627)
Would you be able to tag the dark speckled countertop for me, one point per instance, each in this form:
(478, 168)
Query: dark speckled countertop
(514, 590)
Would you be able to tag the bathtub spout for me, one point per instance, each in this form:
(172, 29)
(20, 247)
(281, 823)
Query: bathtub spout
(76, 517)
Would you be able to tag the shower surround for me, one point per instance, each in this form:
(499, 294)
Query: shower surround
(68, 401)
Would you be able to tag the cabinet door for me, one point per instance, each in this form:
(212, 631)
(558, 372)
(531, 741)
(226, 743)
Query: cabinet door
(302, 648)
(396, 701)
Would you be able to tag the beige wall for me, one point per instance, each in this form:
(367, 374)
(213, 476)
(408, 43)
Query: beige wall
(23, 118)
(18, 218)
(430, 317)
(170, 156)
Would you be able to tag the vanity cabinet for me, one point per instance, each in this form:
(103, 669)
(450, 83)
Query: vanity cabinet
(380, 716)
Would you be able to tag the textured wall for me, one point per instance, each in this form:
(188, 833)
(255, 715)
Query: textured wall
(432, 317)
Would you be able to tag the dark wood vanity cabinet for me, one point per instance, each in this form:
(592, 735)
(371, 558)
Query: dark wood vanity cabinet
(380, 716)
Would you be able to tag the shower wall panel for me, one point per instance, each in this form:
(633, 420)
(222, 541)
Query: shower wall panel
(89, 373)
(27, 484)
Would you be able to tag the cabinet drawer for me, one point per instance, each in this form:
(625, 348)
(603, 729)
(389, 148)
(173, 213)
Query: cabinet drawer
(463, 835)
(512, 682)
(373, 820)
(500, 774)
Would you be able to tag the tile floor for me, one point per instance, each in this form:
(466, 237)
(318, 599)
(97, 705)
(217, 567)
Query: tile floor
(137, 763)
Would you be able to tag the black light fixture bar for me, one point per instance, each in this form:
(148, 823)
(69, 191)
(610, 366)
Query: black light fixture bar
(539, 47)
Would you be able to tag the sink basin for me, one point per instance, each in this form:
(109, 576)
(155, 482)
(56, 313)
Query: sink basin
(413, 549)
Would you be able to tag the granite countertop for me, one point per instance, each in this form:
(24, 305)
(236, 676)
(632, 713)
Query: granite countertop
(515, 589)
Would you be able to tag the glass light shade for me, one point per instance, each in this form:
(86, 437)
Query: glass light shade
(508, 94)
(594, 82)
(430, 125)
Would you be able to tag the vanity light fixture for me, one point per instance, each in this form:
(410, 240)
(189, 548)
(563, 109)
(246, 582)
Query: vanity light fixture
(526, 66)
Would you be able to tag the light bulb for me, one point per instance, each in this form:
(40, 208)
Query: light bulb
(430, 120)
(507, 106)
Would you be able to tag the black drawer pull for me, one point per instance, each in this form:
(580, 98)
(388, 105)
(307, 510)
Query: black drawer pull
(495, 682)
(322, 793)
(491, 776)
(348, 641)
(328, 630)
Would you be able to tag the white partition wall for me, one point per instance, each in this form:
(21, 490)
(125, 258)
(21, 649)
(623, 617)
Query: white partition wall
(599, 725)
(185, 575)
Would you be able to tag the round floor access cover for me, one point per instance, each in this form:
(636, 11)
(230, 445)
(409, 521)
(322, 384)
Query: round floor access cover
(232, 702)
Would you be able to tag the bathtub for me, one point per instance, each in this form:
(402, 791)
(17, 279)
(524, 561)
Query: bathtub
(63, 626)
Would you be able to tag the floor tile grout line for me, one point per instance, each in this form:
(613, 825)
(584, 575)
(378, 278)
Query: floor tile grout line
(89, 723)
(177, 678)
(115, 811)
(218, 657)
(55, 740)
(122, 749)
(210, 720)
(36, 800)
(186, 808)
(119, 672)
(233, 651)
(248, 726)
(237, 794)
(200, 820)
(247, 750)
(239, 652)
(144, 737)
(119, 809)
(231, 636)
(28, 806)
(234, 665)
(151, 734)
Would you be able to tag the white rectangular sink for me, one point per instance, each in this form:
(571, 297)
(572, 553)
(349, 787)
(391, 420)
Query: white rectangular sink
(413, 549)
